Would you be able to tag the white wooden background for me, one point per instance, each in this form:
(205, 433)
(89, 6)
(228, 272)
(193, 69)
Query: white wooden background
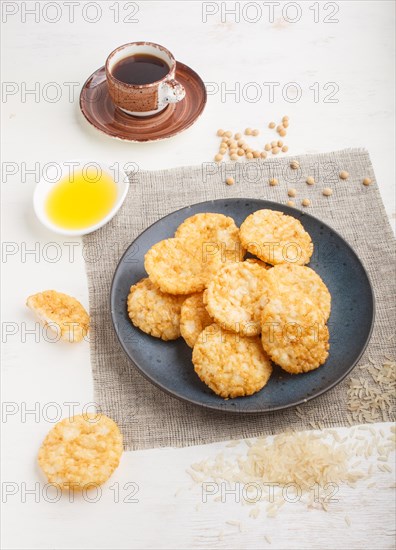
(356, 53)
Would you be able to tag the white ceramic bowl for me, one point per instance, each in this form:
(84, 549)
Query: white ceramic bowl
(56, 173)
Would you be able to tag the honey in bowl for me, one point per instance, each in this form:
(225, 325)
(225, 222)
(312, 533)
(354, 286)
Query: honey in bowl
(81, 199)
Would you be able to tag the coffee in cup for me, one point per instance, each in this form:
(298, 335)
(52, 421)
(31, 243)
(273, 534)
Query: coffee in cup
(140, 78)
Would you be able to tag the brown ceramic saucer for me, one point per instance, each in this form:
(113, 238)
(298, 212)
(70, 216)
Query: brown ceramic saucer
(99, 110)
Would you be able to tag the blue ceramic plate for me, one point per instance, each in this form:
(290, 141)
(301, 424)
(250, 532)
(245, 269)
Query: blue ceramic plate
(168, 365)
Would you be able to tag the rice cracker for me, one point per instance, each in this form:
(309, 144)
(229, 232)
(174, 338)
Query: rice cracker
(290, 279)
(81, 451)
(230, 364)
(178, 266)
(153, 311)
(194, 318)
(276, 238)
(235, 297)
(294, 333)
(206, 229)
(61, 313)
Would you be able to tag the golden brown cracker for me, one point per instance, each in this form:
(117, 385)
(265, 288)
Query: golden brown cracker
(209, 228)
(177, 266)
(236, 296)
(276, 238)
(62, 313)
(153, 311)
(230, 364)
(294, 333)
(82, 451)
(292, 279)
(194, 318)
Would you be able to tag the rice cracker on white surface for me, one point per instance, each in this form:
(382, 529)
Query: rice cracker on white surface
(65, 315)
(81, 451)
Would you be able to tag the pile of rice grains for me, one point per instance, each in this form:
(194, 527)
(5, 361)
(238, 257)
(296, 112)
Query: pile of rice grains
(305, 460)
(237, 148)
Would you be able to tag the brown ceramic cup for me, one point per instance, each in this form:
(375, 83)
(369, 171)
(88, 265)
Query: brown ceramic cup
(143, 99)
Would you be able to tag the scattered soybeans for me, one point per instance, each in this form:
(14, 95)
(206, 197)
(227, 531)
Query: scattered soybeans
(306, 202)
(310, 180)
(273, 181)
(290, 203)
(292, 192)
(230, 181)
(327, 191)
(344, 175)
(238, 148)
(367, 181)
(295, 165)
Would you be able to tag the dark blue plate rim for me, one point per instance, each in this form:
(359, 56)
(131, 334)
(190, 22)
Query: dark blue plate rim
(266, 204)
